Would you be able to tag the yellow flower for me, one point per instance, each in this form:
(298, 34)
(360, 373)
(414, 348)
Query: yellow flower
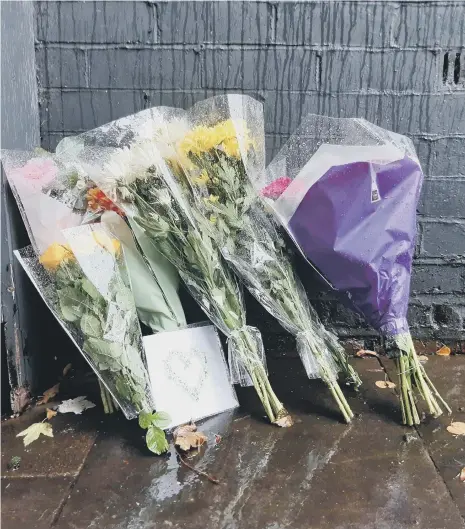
(202, 179)
(231, 148)
(54, 255)
(213, 219)
(223, 135)
(213, 199)
(105, 241)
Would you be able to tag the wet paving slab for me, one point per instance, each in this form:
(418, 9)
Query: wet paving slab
(321, 473)
(446, 451)
(37, 486)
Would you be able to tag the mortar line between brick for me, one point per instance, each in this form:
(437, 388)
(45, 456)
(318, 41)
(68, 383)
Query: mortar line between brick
(236, 46)
(360, 93)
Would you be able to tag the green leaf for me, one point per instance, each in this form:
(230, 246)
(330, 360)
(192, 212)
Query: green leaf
(124, 299)
(69, 314)
(156, 440)
(105, 354)
(71, 303)
(161, 419)
(90, 326)
(88, 287)
(145, 419)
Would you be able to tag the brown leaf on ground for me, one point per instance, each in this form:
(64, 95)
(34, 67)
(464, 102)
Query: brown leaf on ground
(456, 428)
(187, 437)
(385, 384)
(443, 351)
(50, 413)
(218, 439)
(462, 475)
(49, 394)
(285, 421)
(67, 369)
(363, 353)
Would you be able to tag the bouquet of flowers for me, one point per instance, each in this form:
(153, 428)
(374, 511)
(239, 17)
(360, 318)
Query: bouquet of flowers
(346, 191)
(82, 275)
(53, 195)
(222, 150)
(85, 283)
(138, 177)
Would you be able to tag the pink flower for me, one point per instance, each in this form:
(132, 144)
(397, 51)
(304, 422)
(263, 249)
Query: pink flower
(276, 188)
(38, 172)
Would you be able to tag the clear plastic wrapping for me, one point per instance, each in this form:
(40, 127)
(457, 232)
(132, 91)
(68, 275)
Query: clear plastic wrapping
(133, 160)
(50, 194)
(85, 284)
(347, 192)
(53, 194)
(223, 149)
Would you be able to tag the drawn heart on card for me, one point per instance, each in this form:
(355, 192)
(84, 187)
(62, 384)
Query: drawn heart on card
(188, 370)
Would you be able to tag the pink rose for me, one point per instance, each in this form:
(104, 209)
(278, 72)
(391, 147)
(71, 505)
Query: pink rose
(38, 172)
(276, 188)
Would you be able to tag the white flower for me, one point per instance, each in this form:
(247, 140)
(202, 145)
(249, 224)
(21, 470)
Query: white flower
(164, 133)
(81, 184)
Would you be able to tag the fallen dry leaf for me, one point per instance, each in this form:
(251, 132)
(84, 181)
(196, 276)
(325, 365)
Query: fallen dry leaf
(50, 413)
(462, 475)
(444, 351)
(49, 394)
(363, 353)
(456, 428)
(32, 433)
(77, 405)
(423, 359)
(385, 384)
(285, 421)
(67, 369)
(187, 437)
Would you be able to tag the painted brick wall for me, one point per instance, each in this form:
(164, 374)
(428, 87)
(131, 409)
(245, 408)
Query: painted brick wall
(398, 64)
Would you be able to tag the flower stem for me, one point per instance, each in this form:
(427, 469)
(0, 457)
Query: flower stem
(412, 374)
(246, 346)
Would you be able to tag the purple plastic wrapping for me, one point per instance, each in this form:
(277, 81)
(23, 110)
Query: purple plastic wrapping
(351, 209)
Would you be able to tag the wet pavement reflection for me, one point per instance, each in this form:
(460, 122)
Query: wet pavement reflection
(321, 473)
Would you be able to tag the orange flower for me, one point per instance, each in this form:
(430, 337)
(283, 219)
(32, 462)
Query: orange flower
(97, 200)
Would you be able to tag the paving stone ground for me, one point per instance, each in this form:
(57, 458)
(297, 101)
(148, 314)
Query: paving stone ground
(319, 474)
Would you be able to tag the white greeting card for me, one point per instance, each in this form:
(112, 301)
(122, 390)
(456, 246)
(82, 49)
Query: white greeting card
(188, 374)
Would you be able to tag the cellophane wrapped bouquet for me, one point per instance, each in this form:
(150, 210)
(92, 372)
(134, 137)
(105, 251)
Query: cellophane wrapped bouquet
(220, 153)
(347, 191)
(80, 272)
(135, 170)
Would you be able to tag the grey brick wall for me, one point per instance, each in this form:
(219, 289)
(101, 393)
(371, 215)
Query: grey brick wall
(398, 64)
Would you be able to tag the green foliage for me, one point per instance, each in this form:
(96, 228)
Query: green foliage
(98, 318)
(155, 437)
(156, 440)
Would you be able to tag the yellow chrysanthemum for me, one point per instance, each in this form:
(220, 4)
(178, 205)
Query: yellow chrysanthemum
(54, 255)
(202, 179)
(224, 135)
(231, 147)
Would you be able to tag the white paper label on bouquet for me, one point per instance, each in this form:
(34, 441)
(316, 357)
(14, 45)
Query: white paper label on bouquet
(188, 374)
